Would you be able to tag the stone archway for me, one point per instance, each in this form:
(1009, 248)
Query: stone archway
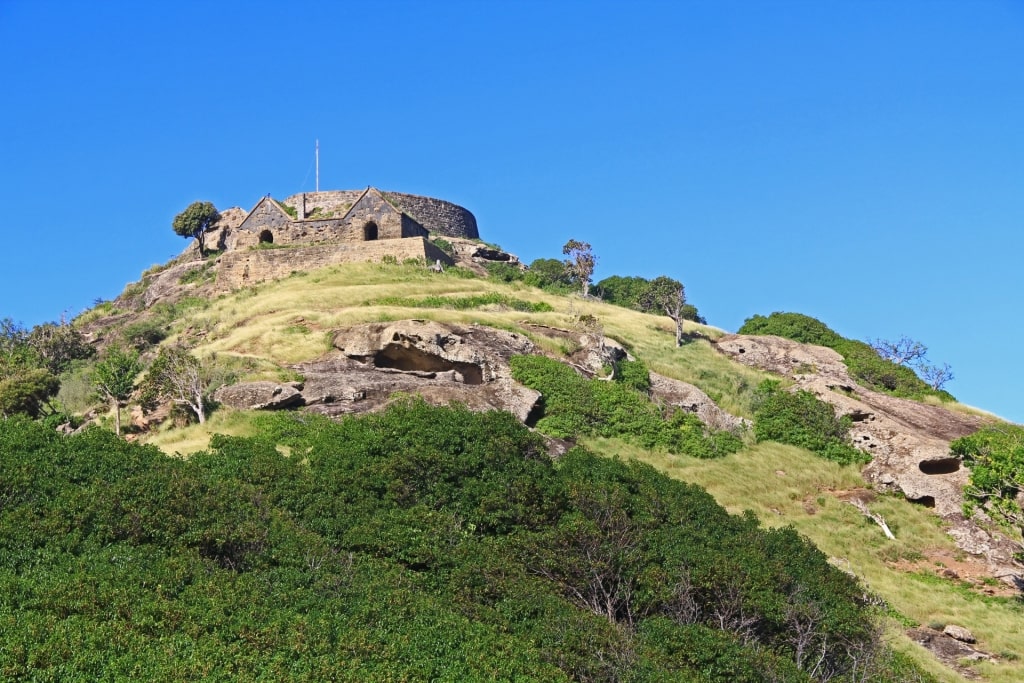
(370, 231)
(266, 237)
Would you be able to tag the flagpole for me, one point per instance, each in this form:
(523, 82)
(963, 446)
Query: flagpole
(318, 165)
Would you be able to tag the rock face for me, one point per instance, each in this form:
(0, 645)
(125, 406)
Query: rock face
(259, 396)
(688, 397)
(908, 441)
(949, 649)
(372, 362)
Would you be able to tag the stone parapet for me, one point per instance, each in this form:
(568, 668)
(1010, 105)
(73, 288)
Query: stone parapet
(244, 267)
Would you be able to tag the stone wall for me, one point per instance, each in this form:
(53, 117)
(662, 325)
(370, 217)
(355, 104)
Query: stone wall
(246, 267)
(437, 216)
(332, 201)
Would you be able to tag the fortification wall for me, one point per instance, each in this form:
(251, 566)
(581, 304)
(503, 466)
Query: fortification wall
(236, 269)
(437, 216)
(328, 201)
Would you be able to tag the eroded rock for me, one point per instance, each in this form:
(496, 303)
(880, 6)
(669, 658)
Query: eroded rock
(259, 396)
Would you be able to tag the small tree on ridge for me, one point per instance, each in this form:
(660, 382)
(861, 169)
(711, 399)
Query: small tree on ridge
(195, 221)
(580, 263)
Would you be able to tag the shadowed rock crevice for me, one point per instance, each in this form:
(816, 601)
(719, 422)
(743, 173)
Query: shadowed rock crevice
(939, 466)
(412, 359)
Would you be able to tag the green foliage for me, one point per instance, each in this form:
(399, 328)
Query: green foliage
(635, 293)
(26, 391)
(444, 245)
(996, 457)
(416, 544)
(114, 377)
(801, 419)
(142, 334)
(551, 275)
(288, 209)
(26, 381)
(503, 271)
(195, 221)
(863, 362)
(580, 263)
(178, 376)
(199, 276)
(58, 345)
(574, 406)
(464, 303)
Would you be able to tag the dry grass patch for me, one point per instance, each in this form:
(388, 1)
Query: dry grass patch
(185, 441)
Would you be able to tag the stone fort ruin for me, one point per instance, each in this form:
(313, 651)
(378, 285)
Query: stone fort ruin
(314, 229)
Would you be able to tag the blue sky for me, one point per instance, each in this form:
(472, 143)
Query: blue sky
(860, 162)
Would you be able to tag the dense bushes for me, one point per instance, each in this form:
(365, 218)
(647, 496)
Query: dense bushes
(632, 292)
(575, 406)
(416, 544)
(801, 419)
(864, 364)
(996, 458)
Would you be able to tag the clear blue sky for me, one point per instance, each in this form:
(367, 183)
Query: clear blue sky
(861, 162)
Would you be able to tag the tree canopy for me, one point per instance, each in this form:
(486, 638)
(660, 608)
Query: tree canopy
(581, 263)
(195, 221)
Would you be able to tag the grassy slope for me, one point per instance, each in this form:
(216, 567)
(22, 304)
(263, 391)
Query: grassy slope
(289, 321)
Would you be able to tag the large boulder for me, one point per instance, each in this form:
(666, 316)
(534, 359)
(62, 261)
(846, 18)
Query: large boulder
(259, 396)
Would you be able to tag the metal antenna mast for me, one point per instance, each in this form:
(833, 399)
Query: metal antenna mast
(318, 165)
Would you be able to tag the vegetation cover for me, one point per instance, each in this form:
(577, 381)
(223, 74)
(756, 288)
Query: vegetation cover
(801, 419)
(996, 457)
(575, 406)
(417, 544)
(863, 362)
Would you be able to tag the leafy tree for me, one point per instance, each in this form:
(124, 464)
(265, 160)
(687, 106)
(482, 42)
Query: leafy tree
(115, 379)
(550, 274)
(25, 385)
(625, 291)
(629, 292)
(178, 376)
(580, 263)
(58, 345)
(996, 458)
(26, 390)
(195, 221)
(668, 296)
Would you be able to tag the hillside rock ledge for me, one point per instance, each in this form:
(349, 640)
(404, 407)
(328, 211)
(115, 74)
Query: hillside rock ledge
(907, 440)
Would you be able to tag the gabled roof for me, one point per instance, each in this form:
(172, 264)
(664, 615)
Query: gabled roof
(375, 193)
(262, 201)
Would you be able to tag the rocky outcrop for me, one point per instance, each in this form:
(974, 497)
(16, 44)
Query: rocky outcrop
(673, 392)
(951, 650)
(259, 396)
(908, 441)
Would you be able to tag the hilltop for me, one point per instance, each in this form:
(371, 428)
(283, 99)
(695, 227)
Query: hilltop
(351, 337)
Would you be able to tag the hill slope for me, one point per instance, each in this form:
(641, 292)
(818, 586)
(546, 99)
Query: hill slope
(268, 332)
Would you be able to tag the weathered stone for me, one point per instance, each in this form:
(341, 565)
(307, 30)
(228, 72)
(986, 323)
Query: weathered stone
(907, 440)
(688, 397)
(960, 633)
(259, 396)
(949, 650)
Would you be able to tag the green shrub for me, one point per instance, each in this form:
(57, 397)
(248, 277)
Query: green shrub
(144, 333)
(801, 419)
(503, 271)
(444, 245)
(465, 303)
(573, 406)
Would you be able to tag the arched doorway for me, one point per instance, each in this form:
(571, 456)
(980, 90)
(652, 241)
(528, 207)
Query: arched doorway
(266, 237)
(370, 231)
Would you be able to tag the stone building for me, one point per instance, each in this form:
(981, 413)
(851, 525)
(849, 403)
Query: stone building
(315, 229)
(349, 216)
